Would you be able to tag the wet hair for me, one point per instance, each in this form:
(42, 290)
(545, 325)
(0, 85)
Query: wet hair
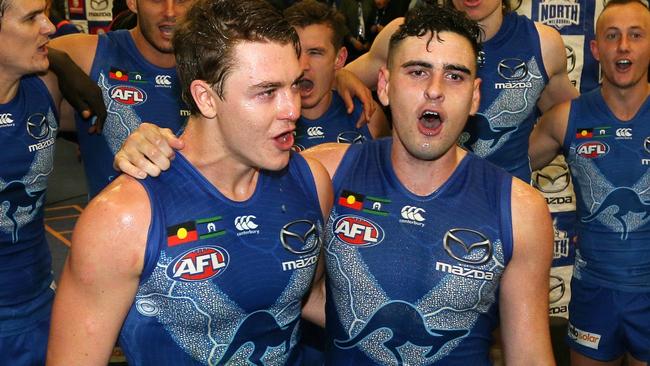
(433, 19)
(310, 12)
(204, 41)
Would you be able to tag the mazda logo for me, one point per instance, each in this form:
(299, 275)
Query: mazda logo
(553, 178)
(350, 137)
(512, 69)
(570, 58)
(99, 4)
(37, 126)
(557, 288)
(646, 144)
(467, 246)
(300, 237)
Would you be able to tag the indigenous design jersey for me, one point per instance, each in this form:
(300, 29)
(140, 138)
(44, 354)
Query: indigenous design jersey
(609, 161)
(414, 280)
(134, 91)
(336, 125)
(223, 281)
(513, 77)
(28, 127)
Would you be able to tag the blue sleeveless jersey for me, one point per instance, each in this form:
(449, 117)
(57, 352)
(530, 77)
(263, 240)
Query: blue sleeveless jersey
(336, 125)
(223, 281)
(414, 280)
(28, 127)
(134, 91)
(610, 164)
(513, 77)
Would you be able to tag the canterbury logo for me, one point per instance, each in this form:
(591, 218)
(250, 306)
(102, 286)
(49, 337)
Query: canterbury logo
(163, 80)
(5, 119)
(413, 213)
(245, 223)
(315, 131)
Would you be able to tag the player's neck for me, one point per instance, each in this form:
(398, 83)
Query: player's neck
(423, 177)
(319, 109)
(491, 25)
(625, 102)
(150, 53)
(8, 87)
(207, 153)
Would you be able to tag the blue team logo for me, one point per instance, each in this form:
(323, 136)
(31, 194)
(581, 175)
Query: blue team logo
(198, 264)
(128, 95)
(357, 231)
(559, 13)
(592, 149)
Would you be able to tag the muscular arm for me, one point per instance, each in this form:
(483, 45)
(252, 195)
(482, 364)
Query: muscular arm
(101, 275)
(523, 296)
(314, 307)
(548, 135)
(559, 88)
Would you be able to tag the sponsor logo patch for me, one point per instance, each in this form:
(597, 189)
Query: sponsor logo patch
(587, 339)
(198, 264)
(358, 231)
(128, 95)
(592, 149)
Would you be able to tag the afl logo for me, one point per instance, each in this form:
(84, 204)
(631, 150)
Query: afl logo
(592, 149)
(198, 264)
(128, 95)
(358, 231)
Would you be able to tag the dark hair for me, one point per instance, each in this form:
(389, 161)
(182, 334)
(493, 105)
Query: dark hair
(309, 12)
(205, 39)
(4, 4)
(434, 19)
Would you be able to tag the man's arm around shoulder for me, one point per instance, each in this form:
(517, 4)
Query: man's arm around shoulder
(523, 296)
(101, 275)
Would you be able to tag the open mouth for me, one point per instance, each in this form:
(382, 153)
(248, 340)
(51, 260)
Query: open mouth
(285, 140)
(430, 122)
(166, 30)
(306, 86)
(622, 65)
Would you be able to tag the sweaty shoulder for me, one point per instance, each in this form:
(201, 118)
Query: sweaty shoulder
(329, 155)
(117, 222)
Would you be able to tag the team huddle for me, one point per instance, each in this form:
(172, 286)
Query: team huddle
(270, 197)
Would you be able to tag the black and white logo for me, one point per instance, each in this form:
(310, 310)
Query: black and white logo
(315, 131)
(553, 178)
(413, 213)
(570, 59)
(512, 69)
(350, 137)
(37, 126)
(163, 80)
(467, 246)
(99, 4)
(624, 133)
(300, 237)
(557, 288)
(646, 144)
(245, 222)
(6, 118)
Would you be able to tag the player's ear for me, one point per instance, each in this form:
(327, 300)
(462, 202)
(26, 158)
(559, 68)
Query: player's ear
(133, 6)
(383, 86)
(204, 97)
(341, 57)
